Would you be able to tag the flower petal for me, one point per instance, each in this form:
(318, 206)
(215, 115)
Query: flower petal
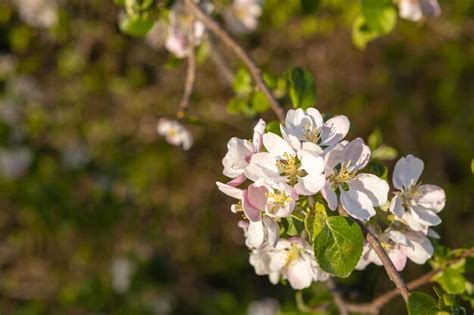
(374, 187)
(255, 234)
(276, 146)
(425, 216)
(398, 257)
(315, 117)
(330, 196)
(262, 165)
(407, 172)
(431, 197)
(299, 274)
(396, 206)
(357, 204)
(271, 230)
(420, 250)
(334, 130)
(258, 131)
(257, 196)
(356, 155)
(231, 191)
(252, 213)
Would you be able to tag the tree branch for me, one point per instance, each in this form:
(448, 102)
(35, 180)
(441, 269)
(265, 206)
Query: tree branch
(387, 263)
(189, 85)
(227, 39)
(338, 300)
(375, 306)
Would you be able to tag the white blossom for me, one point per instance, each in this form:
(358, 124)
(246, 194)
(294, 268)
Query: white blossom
(302, 169)
(415, 204)
(309, 126)
(121, 272)
(291, 259)
(414, 10)
(399, 245)
(38, 13)
(358, 193)
(240, 151)
(185, 32)
(175, 133)
(242, 15)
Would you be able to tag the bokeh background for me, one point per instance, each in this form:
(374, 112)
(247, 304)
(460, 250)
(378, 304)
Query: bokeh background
(98, 215)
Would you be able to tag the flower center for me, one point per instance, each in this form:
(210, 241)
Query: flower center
(171, 133)
(311, 134)
(289, 167)
(278, 199)
(341, 176)
(293, 253)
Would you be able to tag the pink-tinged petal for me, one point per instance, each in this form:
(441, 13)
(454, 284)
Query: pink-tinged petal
(396, 206)
(334, 130)
(357, 204)
(431, 197)
(374, 187)
(271, 230)
(315, 117)
(237, 181)
(356, 155)
(330, 196)
(398, 257)
(257, 196)
(252, 213)
(407, 172)
(425, 216)
(420, 250)
(276, 146)
(237, 157)
(257, 135)
(299, 274)
(255, 235)
(231, 191)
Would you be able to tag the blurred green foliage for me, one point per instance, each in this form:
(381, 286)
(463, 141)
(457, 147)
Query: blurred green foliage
(82, 99)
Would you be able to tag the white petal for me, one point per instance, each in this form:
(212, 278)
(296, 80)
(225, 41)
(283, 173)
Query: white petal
(413, 222)
(262, 165)
(433, 234)
(310, 184)
(407, 172)
(231, 191)
(357, 204)
(397, 237)
(290, 138)
(258, 131)
(432, 197)
(255, 235)
(329, 195)
(396, 206)
(421, 249)
(271, 230)
(236, 159)
(374, 187)
(276, 146)
(299, 274)
(356, 155)
(425, 216)
(334, 130)
(315, 117)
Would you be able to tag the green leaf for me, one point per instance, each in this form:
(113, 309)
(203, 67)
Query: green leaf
(292, 227)
(384, 153)
(273, 126)
(302, 88)
(377, 168)
(452, 279)
(242, 84)
(259, 102)
(315, 220)
(375, 139)
(380, 15)
(422, 304)
(136, 25)
(338, 246)
(472, 166)
(361, 33)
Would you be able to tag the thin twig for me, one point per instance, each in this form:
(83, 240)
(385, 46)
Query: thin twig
(392, 272)
(220, 63)
(189, 85)
(227, 39)
(338, 300)
(375, 305)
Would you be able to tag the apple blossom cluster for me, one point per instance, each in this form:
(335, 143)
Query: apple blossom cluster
(273, 174)
(181, 32)
(38, 13)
